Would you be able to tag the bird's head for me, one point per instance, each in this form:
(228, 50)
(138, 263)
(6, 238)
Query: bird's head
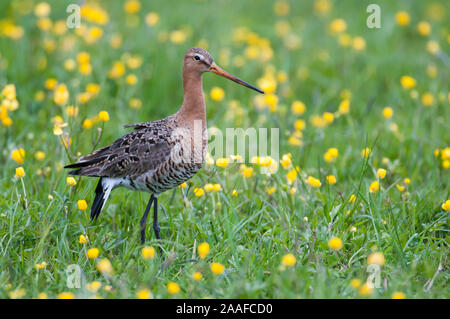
(198, 60)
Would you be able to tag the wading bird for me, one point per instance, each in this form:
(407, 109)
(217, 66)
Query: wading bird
(160, 155)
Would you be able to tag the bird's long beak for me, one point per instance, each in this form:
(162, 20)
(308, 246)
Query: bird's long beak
(214, 68)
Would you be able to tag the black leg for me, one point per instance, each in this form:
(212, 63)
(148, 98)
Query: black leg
(156, 227)
(143, 222)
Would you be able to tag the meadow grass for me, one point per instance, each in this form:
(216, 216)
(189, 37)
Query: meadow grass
(298, 53)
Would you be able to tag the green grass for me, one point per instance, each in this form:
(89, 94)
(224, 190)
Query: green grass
(248, 234)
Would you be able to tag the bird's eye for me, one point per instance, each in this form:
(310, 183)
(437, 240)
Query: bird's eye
(197, 58)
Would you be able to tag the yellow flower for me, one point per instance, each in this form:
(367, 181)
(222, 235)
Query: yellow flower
(355, 283)
(217, 268)
(427, 99)
(182, 185)
(144, 294)
(292, 176)
(366, 152)
(20, 172)
(433, 47)
(388, 112)
(42, 295)
(9, 92)
(178, 36)
(281, 8)
(82, 205)
(374, 187)
(359, 43)
(381, 173)
(331, 179)
(131, 79)
(83, 239)
(93, 253)
(217, 94)
(407, 82)
(299, 125)
(104, 266)
(400, 187)
(270, 190)
(208, 187)
(93, 286)
(344, 106)
(71, 181)
(61, 94)
(17, 294)
(152, 19)
(173, 288)
(132, 6)
(117, 70)
(402, 18)
(18, 155)
(222, 162)
(335, 243)
(331, 154)
(40, 265)
(352, 198)
(66, 295)
(292, 191)
(446, 205)
(199, 192)
(197, 276)
(148, 252)
(72, 111)
(365, 290)
(103, 116)
(338, 26)
(398, 295)
(286, 160)
(203, 250)
(87, 124)
(314, 182)
(376, 258)
(288, 260)
(216, 187)
(424, 28)
(298, 107)
(234, 193)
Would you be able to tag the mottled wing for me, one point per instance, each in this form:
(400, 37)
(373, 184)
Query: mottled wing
(133, 154)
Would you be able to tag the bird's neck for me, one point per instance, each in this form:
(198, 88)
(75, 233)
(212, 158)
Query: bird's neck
(193, 107)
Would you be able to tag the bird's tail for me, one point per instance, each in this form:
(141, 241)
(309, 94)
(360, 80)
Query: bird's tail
(102, 192)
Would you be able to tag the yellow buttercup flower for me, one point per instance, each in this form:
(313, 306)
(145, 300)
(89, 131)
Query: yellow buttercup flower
(407, 82)
(381, 173)
(103, 116)
(144, 294)
(398, 295)
(427, 99)
(148, 252)
(314, 182)
(352, 198)
(402, 18)
(66, 295)
(376, 258)
(82, 205)
(331, 179)
(424, 28)
(335, 243)
(355, 283)
(298, 107)
(93, 253)
(344, 106)
(222, 162)
(270, 190)
(288, 260)
(365, 290)
(93, 286)
(203, 250)
(338, 26)
(20, 172)
(388, 112)
(197, 276)
(217, 268)
(374, 187)
(83, 239)
(173, 288)
(446, 205)
(152, 19)
(199, 192)
(18, 155)
(132, 6)
(104, 266)
(291, 176)
(366, 152)
(71, 181)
